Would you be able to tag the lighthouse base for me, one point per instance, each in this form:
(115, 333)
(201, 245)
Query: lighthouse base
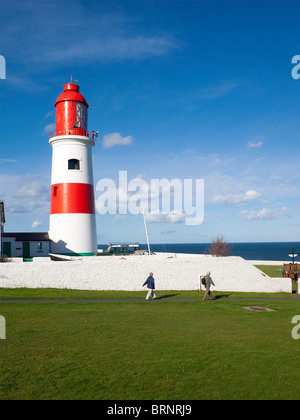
(74, 254)
(78, 232)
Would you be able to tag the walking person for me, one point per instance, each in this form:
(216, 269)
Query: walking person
(151, 286)
(209, 283)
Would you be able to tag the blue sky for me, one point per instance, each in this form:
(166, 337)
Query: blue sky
(189, 89)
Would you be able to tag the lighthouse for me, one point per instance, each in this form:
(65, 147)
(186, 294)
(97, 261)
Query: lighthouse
(72, 211)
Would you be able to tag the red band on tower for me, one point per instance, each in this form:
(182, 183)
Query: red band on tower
(72, 198)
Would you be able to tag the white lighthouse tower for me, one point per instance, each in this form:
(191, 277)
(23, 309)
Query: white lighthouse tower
(72, 213)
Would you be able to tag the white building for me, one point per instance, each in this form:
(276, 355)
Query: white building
(26, 244)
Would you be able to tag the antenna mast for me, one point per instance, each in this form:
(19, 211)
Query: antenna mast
(146, 229)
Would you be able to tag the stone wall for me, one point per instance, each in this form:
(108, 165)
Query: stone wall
(171, 272)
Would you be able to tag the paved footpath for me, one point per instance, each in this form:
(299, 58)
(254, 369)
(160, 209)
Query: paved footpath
(221, 299)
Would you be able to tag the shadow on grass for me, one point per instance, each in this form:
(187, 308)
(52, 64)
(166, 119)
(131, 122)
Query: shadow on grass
(167, 296)
(221, 296)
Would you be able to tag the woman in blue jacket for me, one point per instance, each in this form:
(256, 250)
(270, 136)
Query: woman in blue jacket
(151, 286)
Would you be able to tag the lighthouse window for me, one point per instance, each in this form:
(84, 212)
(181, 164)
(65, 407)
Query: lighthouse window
(81, 116)
(73, 164)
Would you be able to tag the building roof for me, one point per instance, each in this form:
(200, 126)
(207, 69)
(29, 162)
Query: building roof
(27, 236)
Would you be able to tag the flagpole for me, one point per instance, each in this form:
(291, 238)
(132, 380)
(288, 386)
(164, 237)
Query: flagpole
(146, 229)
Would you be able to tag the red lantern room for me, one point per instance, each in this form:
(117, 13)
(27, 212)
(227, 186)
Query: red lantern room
(71, 112)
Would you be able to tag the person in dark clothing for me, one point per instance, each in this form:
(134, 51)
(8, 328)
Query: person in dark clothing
(151, 286)
(209, 283)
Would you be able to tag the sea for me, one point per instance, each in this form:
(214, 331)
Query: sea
(262, 251)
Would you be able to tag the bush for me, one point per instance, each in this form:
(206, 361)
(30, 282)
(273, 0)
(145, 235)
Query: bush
(3, 258)
(220, 247)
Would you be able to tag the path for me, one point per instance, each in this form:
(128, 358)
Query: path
(295, 298)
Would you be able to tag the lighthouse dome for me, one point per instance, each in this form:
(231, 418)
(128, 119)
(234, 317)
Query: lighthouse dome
(71, 93)
(71, 112)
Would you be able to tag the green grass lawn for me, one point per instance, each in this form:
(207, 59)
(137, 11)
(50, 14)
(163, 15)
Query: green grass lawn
(46, 294)
(161, 350)
(271, 270)
(149, 350)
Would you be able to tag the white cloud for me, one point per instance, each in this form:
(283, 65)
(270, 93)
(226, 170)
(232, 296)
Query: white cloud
(24, 194)
(4, 160)
(254, 144)
(36, 224)
(218, 91)
(115, 139)
(175, 216)
(50, 114)
(108, 35)
(118, 218)
(18, 207)
(265, 214)
(49, 128)
(235, 199)
(34, 189)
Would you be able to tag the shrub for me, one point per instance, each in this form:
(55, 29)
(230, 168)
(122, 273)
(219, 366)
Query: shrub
(220, 247)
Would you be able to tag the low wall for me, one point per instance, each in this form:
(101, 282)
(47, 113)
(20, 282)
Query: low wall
(171, 272)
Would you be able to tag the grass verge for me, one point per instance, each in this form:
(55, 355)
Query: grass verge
(172, 350)
(149, 351)
(45, 294)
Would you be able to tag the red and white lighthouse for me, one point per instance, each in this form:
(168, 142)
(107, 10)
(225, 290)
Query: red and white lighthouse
(72, 212)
